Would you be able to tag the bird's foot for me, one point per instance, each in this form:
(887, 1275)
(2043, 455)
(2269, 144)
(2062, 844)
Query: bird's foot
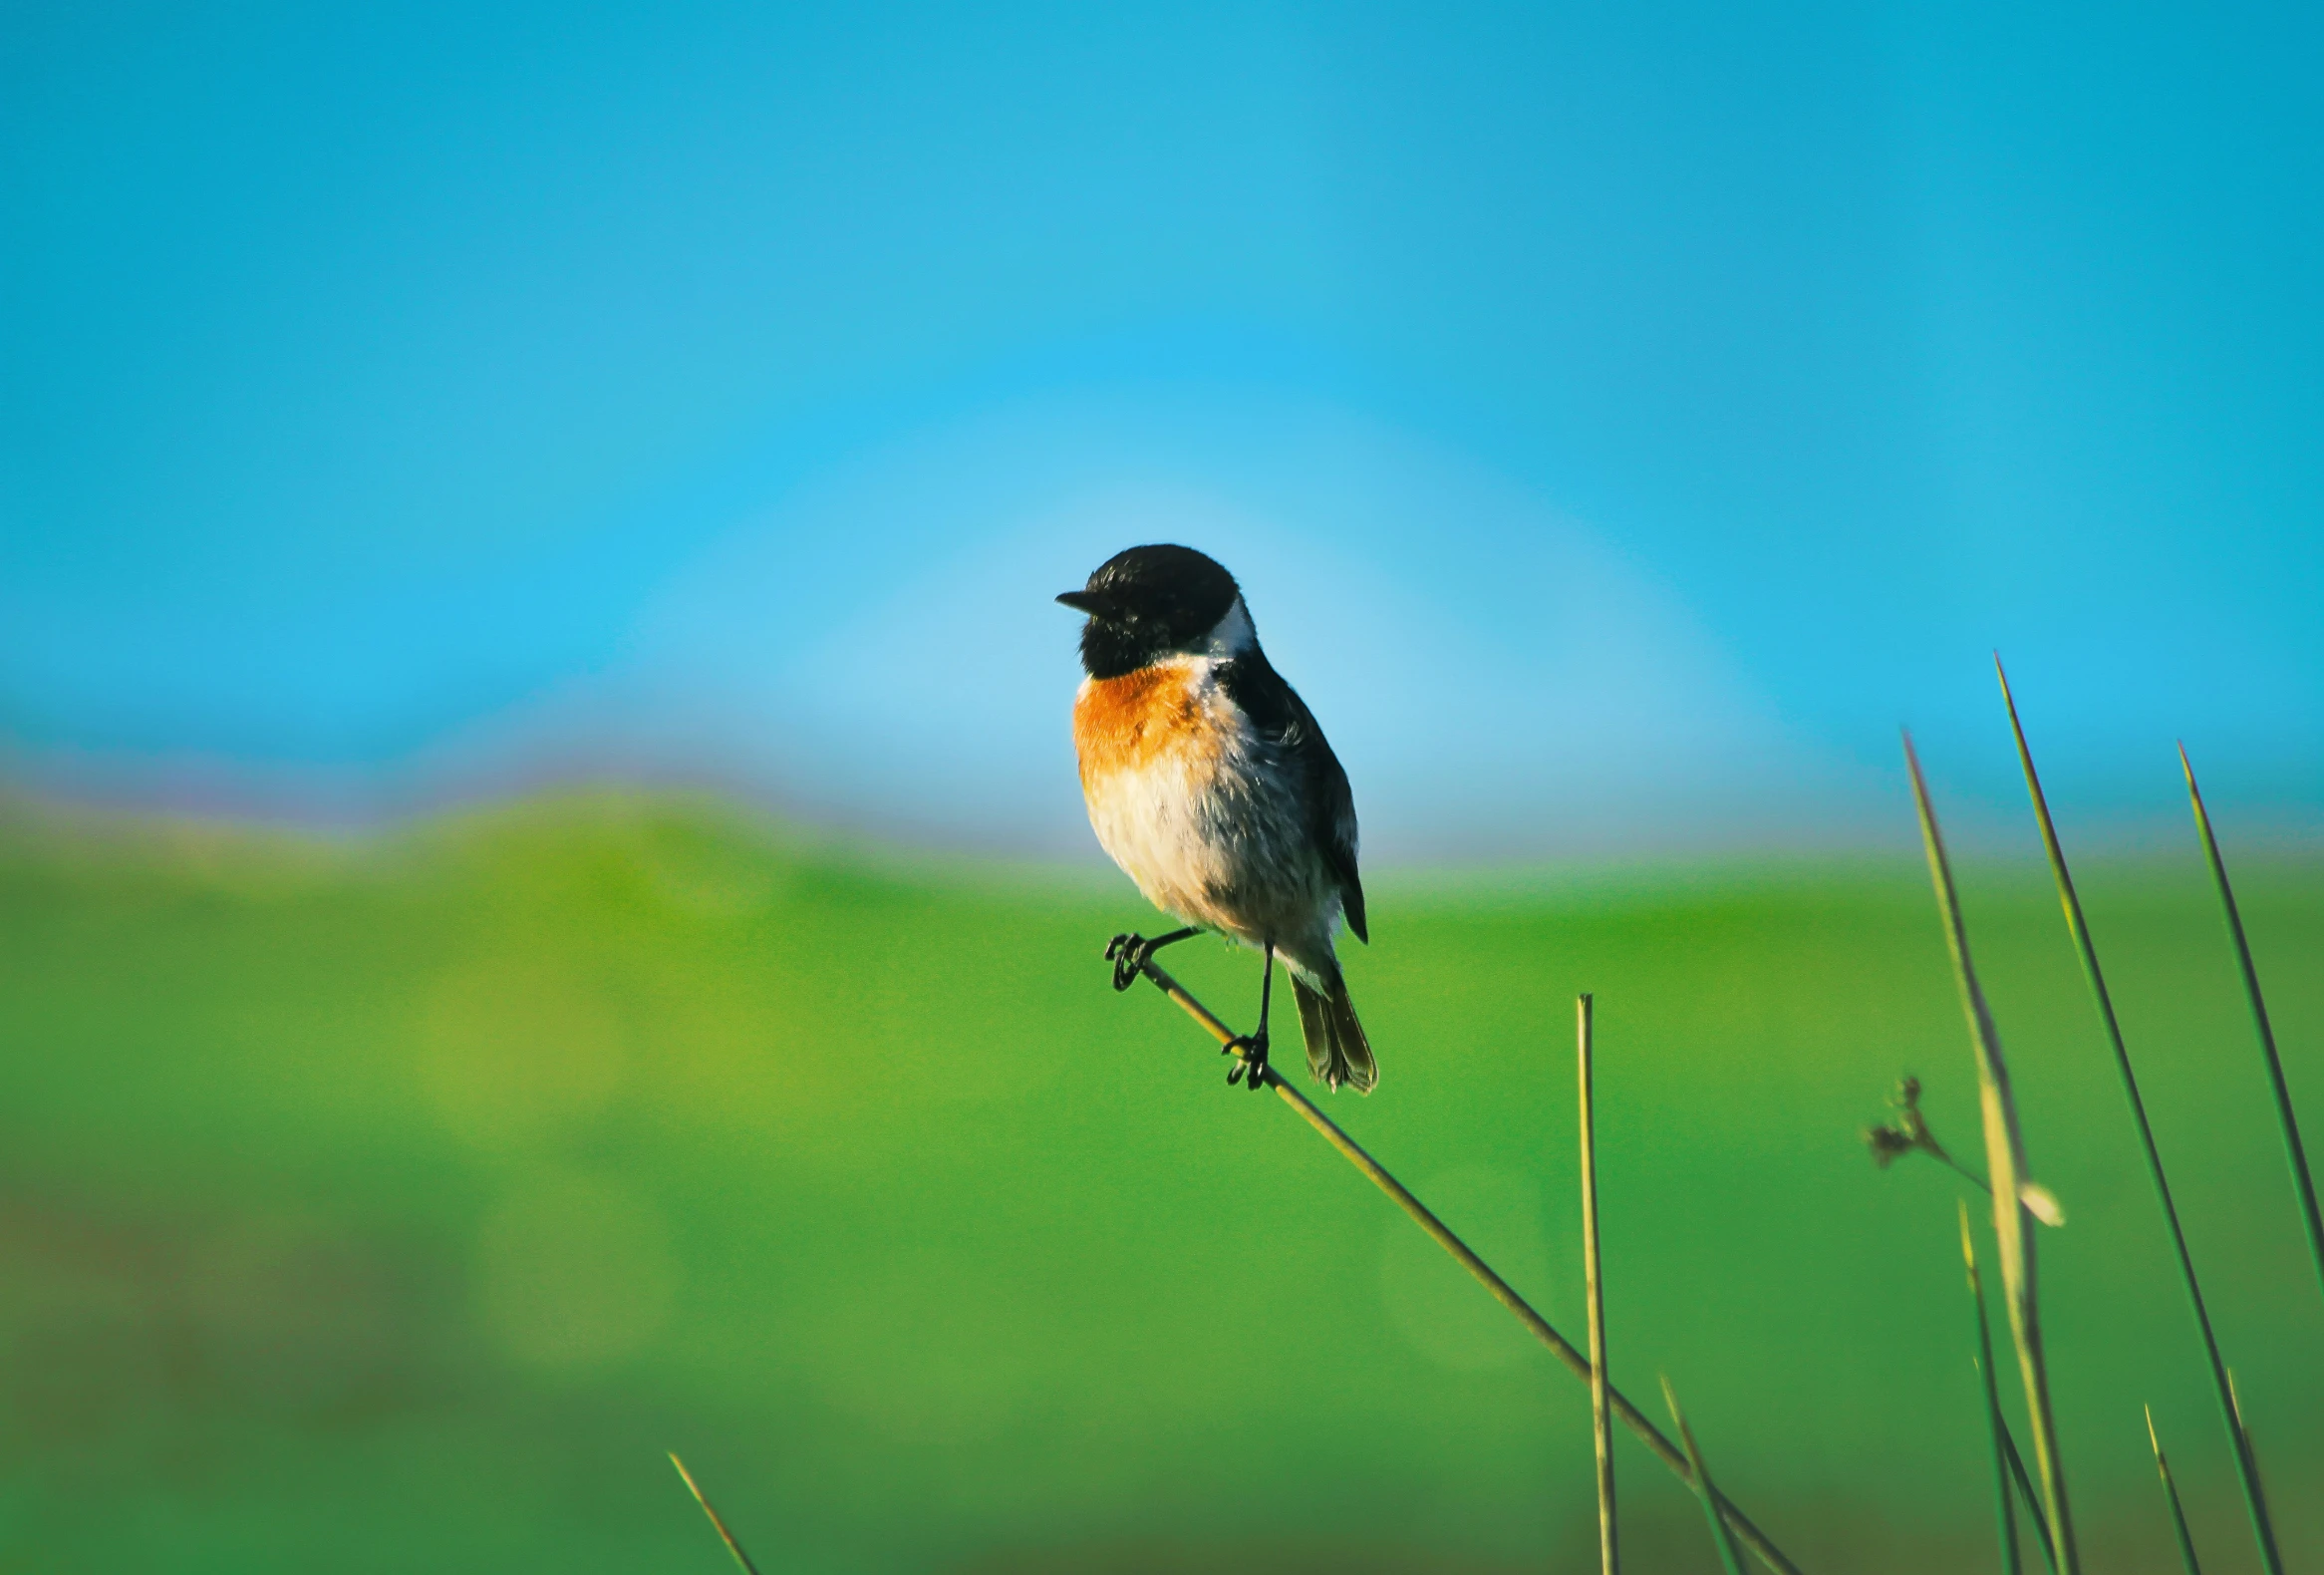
(1128, 954)
(1250, 1066)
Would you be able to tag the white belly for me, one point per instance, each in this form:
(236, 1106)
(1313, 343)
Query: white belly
(1158, 821)
(1203, 816)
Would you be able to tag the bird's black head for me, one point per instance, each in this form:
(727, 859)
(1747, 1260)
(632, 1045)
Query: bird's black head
(1148, 602)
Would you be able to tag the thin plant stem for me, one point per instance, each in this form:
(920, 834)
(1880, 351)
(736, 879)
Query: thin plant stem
(2171, 1497)
(2254, 1500)
(1966, 1174)
(1594, 1279)
(2005, 1166)
(2030, 1497)
(726, 1536)
(1538, 1327)
(2241, 1430)
(2294, 1153)
(2004, 1517)
(1729, 1554)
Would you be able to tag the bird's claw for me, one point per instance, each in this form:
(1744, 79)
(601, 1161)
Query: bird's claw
(1128, 954)
(1250, 1066)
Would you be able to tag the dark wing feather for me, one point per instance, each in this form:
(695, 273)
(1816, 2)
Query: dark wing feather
(1283, 718)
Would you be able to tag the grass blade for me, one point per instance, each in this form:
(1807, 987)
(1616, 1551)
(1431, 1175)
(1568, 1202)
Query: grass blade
(1601, 1413)
(2171, 1497)
(2262, 1525)
(2005, 1518)
(2243, 1431)
(724, 1535)
(1729, 1554)
(2030, 1497)
(2005, 1169)
(2294, 1153)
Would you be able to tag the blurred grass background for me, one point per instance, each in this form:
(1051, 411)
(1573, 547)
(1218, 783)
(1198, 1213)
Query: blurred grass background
(392, 1203)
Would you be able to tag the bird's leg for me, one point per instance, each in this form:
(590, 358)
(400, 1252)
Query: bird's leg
(1129, 953)
(1253, 1047)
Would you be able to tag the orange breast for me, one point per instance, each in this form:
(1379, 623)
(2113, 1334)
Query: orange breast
(1126, 723)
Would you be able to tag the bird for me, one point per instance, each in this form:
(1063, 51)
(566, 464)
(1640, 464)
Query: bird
(1210, 783)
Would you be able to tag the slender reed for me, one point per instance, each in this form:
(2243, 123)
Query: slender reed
(1600, 1417)
(2004, 1517)
(2243, 1431)
(2005, 1166)
(724, 1535)
(1729, 1555)
(1560, 1348)
(2254, 1500)
(2031, 1498)
(2294, 1153)
(2171, 1497)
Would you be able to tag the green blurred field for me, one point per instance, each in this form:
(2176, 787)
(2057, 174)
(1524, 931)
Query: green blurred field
(394, 1206)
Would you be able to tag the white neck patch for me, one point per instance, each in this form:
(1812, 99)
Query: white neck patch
(1233, 635)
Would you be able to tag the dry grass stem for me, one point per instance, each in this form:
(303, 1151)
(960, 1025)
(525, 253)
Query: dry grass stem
(1729, 1555)
(1560, 1347)
(726, 1536)
(1600, 1417)
(2005, 1517)
(2005, 1167)
(2294, 1153)
(2255, 1501)
(2171, 1497)
(2029, 1498)
(2244, 1432)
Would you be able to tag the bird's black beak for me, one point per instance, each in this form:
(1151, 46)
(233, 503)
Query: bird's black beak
(1096, 604)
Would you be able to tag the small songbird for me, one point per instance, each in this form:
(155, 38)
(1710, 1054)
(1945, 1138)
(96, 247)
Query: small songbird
(1211, 785)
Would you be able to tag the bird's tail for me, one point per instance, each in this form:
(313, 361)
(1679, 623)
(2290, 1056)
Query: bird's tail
(1338, 1052)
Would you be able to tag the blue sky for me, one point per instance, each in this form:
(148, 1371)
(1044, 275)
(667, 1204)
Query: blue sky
(1622, 416)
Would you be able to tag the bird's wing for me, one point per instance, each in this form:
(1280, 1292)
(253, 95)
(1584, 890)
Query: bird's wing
(1283, 718)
